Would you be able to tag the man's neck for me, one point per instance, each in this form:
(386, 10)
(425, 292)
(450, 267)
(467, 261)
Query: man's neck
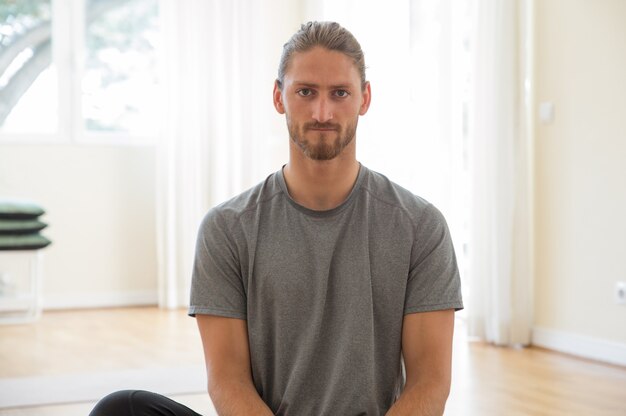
(321, 185)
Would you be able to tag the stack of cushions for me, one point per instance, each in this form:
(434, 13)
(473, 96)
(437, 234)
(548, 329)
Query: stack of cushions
(20, 226)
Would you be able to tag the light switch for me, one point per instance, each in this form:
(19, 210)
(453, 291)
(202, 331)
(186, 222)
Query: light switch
(546, 112)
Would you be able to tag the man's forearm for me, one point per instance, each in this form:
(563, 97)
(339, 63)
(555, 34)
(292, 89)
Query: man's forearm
(238, 399)
(427, 399)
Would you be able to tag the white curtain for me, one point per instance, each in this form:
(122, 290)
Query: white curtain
(500, 227)
(219, 59)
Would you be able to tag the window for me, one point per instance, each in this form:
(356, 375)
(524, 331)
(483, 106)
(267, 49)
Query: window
(119, 79)
(80, 69)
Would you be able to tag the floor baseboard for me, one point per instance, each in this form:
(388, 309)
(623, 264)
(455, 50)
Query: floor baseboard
(579, 345)
(100, 300)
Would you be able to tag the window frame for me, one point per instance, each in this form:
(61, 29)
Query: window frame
(68, 57)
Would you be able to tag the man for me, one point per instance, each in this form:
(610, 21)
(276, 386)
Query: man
(310, 287)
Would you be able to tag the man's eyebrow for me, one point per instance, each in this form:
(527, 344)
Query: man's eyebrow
(313, 85)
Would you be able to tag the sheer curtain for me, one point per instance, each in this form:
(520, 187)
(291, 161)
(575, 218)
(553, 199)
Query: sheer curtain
(219, 60)
(501, 225)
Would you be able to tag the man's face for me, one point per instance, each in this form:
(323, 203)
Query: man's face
(322, 99)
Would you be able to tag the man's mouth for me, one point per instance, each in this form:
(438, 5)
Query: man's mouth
(322, 128)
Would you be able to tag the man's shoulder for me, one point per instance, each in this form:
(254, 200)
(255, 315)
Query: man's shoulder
(395, 196)
(248, 200)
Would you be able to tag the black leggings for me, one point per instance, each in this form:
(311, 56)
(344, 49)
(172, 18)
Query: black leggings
(139, 403)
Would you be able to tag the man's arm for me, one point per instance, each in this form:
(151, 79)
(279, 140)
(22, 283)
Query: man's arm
(427, 351)
(227, 357)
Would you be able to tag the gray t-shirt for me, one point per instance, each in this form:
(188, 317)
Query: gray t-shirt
(324, 292)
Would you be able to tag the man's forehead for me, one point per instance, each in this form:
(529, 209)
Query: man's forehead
(322, 67)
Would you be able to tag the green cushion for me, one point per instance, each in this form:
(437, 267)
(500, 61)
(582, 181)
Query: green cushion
(10, 208)
(13, 226)
(23, 242)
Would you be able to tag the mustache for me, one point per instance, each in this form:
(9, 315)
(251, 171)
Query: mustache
(316, 125)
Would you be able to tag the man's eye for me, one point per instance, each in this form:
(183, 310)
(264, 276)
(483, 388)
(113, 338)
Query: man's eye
(305, 92)
(341, 93)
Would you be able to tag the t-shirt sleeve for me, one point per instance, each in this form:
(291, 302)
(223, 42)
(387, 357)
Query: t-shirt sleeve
(433, 282)
(216, 285)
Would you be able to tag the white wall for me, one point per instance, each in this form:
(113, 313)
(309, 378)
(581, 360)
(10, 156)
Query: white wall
(581, 168)
(100, 203)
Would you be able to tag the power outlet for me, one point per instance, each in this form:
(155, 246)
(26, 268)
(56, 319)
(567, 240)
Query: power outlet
(620, 293)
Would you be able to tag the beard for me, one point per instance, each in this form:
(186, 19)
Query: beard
(328, 144)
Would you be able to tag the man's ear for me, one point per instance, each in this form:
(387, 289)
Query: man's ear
(367, 98)
(278, 98)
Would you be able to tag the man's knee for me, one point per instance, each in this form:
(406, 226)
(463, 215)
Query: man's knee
(139, 403)
(121, 403)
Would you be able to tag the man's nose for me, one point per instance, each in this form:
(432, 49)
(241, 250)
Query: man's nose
(322, 110)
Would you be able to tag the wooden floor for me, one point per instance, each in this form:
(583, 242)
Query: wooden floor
(486, 380)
